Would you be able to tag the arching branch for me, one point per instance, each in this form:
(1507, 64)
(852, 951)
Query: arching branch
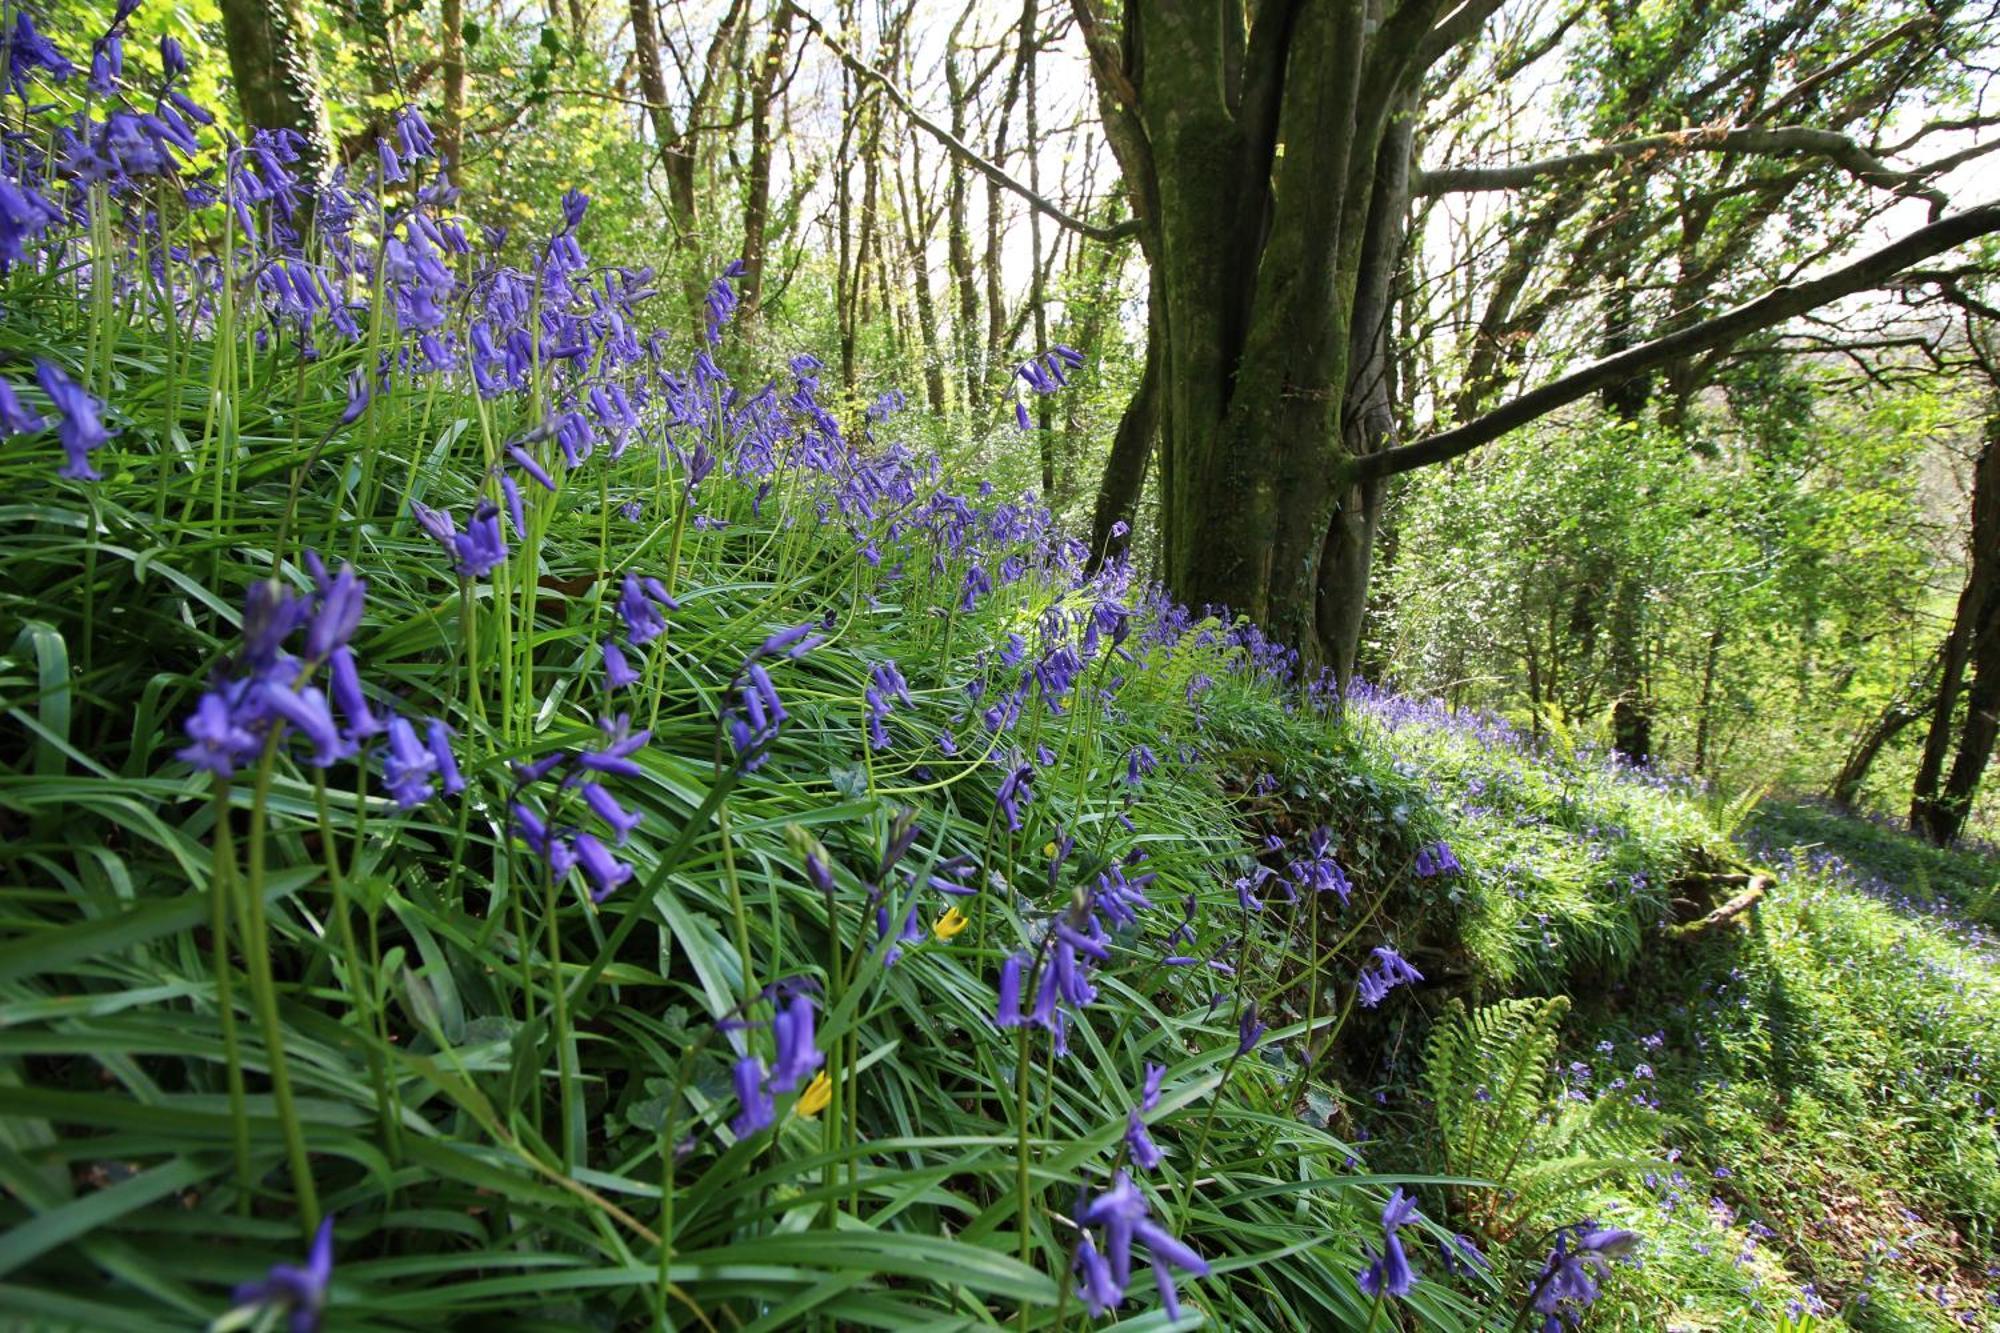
(1842, 151)
(1774, 307)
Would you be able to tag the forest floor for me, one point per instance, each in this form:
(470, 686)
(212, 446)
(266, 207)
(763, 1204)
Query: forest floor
(1827, 1070)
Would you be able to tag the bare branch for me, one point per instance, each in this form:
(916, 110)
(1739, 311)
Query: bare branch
(1774, 307)
(1836, 148)
(953, 143)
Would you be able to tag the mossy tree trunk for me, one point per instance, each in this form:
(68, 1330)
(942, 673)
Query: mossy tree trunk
(276, 72)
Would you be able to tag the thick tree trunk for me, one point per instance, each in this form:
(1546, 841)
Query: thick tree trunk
(1939, 814)
(276, 74)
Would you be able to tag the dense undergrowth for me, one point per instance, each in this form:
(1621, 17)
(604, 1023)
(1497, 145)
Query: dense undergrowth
(709, 866)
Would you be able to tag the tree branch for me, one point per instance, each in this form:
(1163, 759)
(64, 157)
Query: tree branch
(957, 147)
(1836, 148)
(1774, 307)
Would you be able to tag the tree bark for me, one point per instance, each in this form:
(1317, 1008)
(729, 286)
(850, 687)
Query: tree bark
(276, 74)
(1939, 814)
(757, 185)
(1125, 466)
(451, 126)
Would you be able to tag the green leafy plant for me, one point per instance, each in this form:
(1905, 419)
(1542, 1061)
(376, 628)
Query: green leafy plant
(1489, 1073)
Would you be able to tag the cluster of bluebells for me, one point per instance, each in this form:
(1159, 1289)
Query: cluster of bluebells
(271, 693)
(796, 1057)
(759, 713)
(886, 688)
(581, 775)
(1385, 970)
(1569, 1281)
(1114, 1220)
(1045, 374)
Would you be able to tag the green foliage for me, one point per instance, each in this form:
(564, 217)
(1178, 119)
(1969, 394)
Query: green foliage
(1489, 1072)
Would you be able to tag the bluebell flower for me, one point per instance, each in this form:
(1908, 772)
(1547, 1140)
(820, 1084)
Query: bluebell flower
(344, 681)
(1248, 1029)
(1437, 859)
(28, 51)
(409, 765)
(1145, 1153)
(1385, 971)
(15, 418)
(217, 739)
(798, 1051)
(78, 425)
(618, 674)
(480, 548)
(604, 871)
(300, 1292)
(437, 739)
(1388, 1272)
(1007, 1014)
(24, 216)
(758, 1112)
(1124, 1217)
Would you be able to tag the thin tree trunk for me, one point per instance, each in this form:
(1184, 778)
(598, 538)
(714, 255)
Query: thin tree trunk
(1911, 704)
(757, 191)
(1125, 466)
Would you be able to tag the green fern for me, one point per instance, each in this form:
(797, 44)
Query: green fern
(1489, 1073)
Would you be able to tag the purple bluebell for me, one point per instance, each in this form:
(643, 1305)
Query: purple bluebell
(1121, 1212)
(217, 740)
(299, 1291)
(344, 682)
(605, 806)
(409, 765)
(1015, 790)
(1386, 970)
(1388, 1272)
(1249, 1030)
(15, 418)
(79, 427)
(28, 51)
(1145, 1153)
(1007, 1014)
(758, 1112)
(24, 216)
(1437, 859)
(604, 871)
(437, 738)
(481, 548)
(618, 673)
(798, 1052)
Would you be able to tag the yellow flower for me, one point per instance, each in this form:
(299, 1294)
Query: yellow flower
(950, 924)
(814, 1099)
